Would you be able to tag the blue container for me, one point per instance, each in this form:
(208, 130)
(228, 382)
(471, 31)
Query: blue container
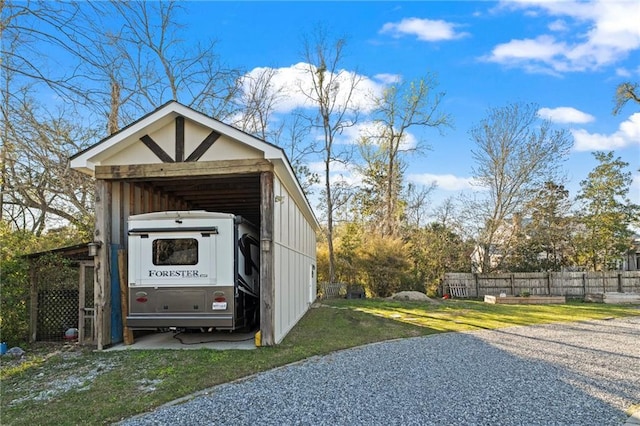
(3, 348)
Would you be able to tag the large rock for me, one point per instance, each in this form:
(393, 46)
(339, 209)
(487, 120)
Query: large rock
(15, 352)
(412, 295)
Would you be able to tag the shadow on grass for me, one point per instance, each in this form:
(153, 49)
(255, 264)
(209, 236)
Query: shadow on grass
(464, 315)
(112, 386)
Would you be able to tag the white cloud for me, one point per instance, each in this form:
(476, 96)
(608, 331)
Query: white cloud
(423, 29)
(609, 31)
(628, 134)
(558, 25)
(388, 78)
(565, 115)
(336, 167)
(623, 72)
(634, 189)
(543, 48)
(340, 174)
(370, 129)
(294, 85)
(447, 182)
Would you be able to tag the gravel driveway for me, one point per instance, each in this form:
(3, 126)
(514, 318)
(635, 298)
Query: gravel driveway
(584, 373)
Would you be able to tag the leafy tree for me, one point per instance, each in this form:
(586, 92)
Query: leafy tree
(401, 108)
(14, 270)
(383, 264)
(606, 213)
(433, 251)
(625, 92)
(516, 152)
(350, 237)
(544, 242)
(15, 273)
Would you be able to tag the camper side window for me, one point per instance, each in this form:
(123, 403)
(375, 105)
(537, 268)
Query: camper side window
(248, 247)
(175, 251)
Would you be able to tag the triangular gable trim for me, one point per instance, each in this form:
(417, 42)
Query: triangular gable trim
(163, 116)
(171, 110)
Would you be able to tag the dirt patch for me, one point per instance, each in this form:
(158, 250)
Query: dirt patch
(412, 295)
(58, 369)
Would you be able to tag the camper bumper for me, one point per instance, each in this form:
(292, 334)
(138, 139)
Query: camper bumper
(155, 321)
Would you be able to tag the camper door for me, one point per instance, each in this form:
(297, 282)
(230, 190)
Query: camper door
(175, 259)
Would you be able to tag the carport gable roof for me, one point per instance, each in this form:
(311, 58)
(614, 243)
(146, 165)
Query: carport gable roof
(87, 160)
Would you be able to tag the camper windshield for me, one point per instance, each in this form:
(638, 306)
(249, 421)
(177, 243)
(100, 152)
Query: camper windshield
(175, 251)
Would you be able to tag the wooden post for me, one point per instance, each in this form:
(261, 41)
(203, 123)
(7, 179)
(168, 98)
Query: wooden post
(620, 283)
(475, 277)
(267, 281)
(584, 284)
(513, 287)
(81, 299)
(33, 295)
(127, 333)
(102, 271)
(122, 221)
(549, 283)
(133, 205)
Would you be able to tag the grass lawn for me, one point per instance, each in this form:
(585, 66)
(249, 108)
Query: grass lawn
(59, 385)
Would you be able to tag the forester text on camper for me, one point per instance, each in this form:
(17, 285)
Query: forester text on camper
(176, 274)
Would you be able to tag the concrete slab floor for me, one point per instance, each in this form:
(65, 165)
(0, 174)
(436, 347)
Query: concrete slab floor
(217, 340)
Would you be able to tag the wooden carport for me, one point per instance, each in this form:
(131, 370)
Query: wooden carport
(184, 161)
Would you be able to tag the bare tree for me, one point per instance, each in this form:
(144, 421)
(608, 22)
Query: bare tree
(417, 204)
(516, 152)
(40, 186)
(293, 139)
(331, 93)
(258, 97)
(400, 108)
(119, 59)
(158, 66)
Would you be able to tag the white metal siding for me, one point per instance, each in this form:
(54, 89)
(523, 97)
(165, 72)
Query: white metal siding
(294, 255)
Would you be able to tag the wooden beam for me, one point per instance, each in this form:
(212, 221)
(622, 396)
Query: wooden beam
(127, 333)
(179, 139)
(81, 297)
(183, 170)
(33, 294)
(156, 149)
(204, 146)
(132, 199)
(267, 278)
(102, 270)
(122, 230)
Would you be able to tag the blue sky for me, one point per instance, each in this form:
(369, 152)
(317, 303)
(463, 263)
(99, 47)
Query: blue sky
(565, 56)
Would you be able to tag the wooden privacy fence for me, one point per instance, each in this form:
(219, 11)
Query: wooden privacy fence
(340, 290)
(569, 284)
(332, 290)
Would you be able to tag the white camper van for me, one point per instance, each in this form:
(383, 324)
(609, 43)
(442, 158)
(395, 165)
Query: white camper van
(193, 270)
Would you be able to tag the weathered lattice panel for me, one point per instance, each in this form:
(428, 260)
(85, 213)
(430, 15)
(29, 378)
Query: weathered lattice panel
(57, 312)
